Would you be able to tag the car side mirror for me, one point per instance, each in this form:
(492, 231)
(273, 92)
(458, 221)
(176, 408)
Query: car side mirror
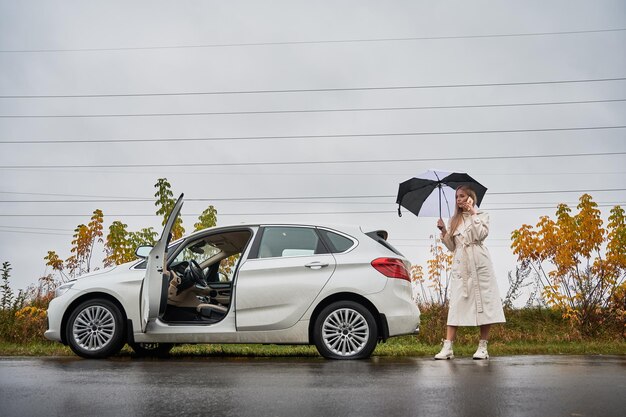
(143, 251)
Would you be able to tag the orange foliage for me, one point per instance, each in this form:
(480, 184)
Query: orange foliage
(25, 319)
(85, 236)
(588, 262)
(439, 268)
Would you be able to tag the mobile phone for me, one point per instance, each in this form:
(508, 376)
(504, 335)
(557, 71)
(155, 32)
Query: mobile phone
(470, 200)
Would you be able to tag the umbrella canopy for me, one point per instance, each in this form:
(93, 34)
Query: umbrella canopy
(433, 193)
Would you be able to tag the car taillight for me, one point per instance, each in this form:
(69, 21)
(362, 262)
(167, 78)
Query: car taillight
(391, 268)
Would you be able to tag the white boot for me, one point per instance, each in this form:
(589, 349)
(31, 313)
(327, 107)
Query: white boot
(481, 352)
(446, 351)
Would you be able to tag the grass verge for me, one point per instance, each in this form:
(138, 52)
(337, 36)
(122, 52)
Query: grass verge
(527, 332)
(401, 346)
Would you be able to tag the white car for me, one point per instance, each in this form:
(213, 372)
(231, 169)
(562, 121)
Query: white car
(339, 288)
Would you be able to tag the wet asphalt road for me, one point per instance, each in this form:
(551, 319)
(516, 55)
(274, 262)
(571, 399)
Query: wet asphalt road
(505, 386)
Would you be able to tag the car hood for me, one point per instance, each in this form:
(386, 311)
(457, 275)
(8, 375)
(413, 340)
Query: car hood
(98, 272)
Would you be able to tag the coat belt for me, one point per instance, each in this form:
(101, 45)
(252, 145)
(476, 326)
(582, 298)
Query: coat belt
(468, 271)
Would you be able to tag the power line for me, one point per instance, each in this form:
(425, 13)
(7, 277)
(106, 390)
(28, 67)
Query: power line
(295, 137)
(283, 199)
(298, 198)
(426, 245)
(272, 213)
(430, 239)
(313, 90)
(70, 234)
(34, 233)
(472, 158)
(315, 42)
(488, 205)
(259, 112)
(305, 199)
(337, 174)
(34, 228)
(62, 195)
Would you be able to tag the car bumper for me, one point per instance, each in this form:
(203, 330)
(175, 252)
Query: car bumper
(55, 317)
(401, 312)
(402, 325)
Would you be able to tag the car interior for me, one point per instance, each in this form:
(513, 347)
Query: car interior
(201, 278)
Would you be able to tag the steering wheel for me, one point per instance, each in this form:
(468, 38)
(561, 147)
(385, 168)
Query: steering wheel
(194, 273)
(179, 267)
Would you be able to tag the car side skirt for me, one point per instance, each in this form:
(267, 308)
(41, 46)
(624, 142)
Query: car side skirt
(159, 332)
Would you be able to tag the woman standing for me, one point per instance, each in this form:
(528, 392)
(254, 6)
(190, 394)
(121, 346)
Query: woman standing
(474, 296)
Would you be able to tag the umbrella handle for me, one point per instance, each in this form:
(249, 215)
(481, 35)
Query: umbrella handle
(439, 186)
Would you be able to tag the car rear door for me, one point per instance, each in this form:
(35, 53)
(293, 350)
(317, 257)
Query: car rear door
(277, 284)
(152, 286)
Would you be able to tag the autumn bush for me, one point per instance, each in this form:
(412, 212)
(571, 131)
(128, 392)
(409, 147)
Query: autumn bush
(23, 325)
(581, 265)
(23, 316)
(432, 288)
(525, 324)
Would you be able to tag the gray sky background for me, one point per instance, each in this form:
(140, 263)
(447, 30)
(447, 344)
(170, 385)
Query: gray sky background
(120, 63)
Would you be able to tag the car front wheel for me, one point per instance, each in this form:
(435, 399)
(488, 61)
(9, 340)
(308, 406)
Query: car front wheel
(95, 329)
(345, 330)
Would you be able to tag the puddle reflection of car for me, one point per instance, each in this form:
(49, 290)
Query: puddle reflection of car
(338, 288)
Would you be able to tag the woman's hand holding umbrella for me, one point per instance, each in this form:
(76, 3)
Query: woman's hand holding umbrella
(441, 226)
(467, 206)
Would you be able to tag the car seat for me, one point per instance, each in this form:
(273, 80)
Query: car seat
(187, 298)
(212, 274)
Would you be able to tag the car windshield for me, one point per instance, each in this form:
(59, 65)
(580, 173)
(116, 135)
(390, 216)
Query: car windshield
(200, 252)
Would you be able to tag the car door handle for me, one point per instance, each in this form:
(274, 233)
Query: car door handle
(316, 265)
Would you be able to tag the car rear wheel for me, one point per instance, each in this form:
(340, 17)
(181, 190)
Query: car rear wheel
(345, 330)
(95, 329)
(152, 349)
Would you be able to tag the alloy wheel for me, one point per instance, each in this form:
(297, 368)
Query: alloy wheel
(345, 332)
(94, 328)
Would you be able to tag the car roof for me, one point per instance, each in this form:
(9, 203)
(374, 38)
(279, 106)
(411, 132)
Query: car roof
(339, 227)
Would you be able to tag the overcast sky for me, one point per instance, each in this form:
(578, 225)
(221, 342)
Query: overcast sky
(293, 99)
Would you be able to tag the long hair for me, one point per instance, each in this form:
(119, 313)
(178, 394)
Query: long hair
(458, 213)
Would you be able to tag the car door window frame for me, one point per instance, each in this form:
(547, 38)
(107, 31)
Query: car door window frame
(256, 245)
(180, 245)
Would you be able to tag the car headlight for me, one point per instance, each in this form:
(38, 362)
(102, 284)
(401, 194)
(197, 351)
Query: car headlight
(63, 289)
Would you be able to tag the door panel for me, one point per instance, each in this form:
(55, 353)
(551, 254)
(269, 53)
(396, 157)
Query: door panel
(152, 286)
(274, 293)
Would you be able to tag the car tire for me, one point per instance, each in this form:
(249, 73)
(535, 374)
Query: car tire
(345, 330)
(155, 350)
(95, 329)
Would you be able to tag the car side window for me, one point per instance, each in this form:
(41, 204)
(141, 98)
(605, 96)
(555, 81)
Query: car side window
(290, 241)
(337, 242)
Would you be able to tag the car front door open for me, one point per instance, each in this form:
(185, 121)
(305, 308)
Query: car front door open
(152, 286)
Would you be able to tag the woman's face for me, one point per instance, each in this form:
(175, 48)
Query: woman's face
(461, 197)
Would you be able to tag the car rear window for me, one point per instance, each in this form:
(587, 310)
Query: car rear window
(378, 238)
(335, 241)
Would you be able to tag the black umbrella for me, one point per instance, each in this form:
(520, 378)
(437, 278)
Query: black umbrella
(417, 196)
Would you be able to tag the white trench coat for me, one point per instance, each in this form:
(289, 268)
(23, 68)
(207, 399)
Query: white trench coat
(474, 296)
